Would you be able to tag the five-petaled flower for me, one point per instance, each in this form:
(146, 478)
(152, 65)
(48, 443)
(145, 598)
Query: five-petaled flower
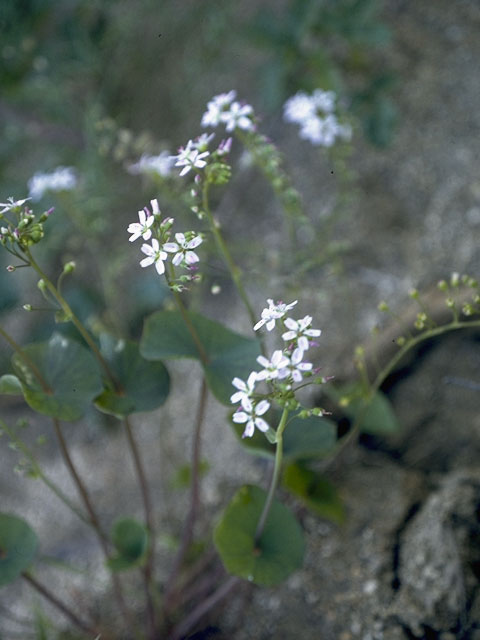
(299, 331)
(155, 255)
(183, 249)
(272, 313)
(141, 228)
(238, 116)
(250, 414)
(215, 108)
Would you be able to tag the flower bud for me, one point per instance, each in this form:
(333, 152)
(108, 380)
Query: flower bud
(413, 293)
(27, 307)
(42, 285)
(383, 306)
(10, 268)
(69, 267)
(442, 285)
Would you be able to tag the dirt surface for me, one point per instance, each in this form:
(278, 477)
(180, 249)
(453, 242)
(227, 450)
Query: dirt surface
(406, 562)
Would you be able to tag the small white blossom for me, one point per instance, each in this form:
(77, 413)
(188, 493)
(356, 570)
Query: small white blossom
(299, 331)
(183, 249)
(201, 143)
(62, 179)
(295, 366)
(250, 414)
(274, 368)
(324, 100)
(273, 313)
(155, 255)
(141, 228)
(298, 108)
(161, 165)
(189, 157)
(12, 204)
(245, 389)
(215, 108)
(238, 116)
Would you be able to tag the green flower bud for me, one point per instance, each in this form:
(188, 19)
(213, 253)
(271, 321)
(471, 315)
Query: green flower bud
(442, 285)
(69, 267)
(27, 307)
(383, 306)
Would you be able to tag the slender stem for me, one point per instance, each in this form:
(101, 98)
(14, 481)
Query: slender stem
(275, 476)
(35, 370)
(61, 606)
(189, 525)
(38, 471)
(186, 318)
(94, 520)
(227, 256)
(204, 607)
(78, 325)
(148, 569)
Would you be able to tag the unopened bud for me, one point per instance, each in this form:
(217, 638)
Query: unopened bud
(455, 279)
(215, 290)
(383, 306)
(41, 285)
(467, 309)
(413, 293)
(401, 341)
(69, 267)
(442, 285)
(450, 302)
(10, 268)
(27, 307)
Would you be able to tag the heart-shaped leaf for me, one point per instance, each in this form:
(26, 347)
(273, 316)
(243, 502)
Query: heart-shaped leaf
(130, 538)
(166, 335)
(280, 549)
(69, 373)
(10, 385)
(311, 437)
(144, 385)
(315, 491)
(18, 546)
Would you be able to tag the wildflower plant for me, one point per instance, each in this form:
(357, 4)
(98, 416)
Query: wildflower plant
(257, 537)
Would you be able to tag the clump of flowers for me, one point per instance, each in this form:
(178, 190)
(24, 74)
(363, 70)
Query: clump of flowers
(284, 368)
(160, 165)
(316, 116)
(20, 227)
(61, 179)
(151, 227)
(224, 109)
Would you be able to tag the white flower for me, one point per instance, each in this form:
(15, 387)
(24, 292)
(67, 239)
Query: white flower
(274, 368)
(201, 143)
(12, 204)
(161, 165)
(324, 100)
(141, 228)
(298, 108)
(62, 179)
(245, 389)
(183, 249)
(215, 108)
(295, 366)
(273, 313)
(189, 157)
(300, 332)
(251, 415)
(238, 116)
(155, 255)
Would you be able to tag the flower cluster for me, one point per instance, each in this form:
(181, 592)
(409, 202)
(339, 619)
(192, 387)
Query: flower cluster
(149, 224)
(160, 165)
(316, 116)
(20, 226)
(224, 109)
(62, 179)
(285, 367)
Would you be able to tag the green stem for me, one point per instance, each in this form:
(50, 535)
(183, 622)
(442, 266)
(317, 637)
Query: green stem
(275, 476)
(186, 318)
(78, 325)
(227, 256)
(38, 471)
(35, 370)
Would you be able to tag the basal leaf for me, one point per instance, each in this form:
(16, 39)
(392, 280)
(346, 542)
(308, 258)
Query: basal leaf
(229, 354)
(281, 547)
(18, 546)
(374, 416)
(10, 385)
(130, 539)
(68, 369)
(144, 385)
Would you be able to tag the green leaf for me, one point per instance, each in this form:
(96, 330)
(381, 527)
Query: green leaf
(144, 385)
(165, 335)
(68, 369)
(279, 551)
(315, 491)
(375, 415)
(130, 539)
(311, 437)
(18, 546)
(10, 385)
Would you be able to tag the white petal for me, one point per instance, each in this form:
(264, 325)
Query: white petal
(314, 333)
(180, 238)
(289, 335)
(239, 384)
(239, 417)
(303, 343)
(291, 324)
(270, 324)
(147, 250)
(171, 247)
(262, 407)
(252, 378)
(259, 324)
(261, 424)
(195, 242)
(249, 429)
(178, 259)
(191, 257)
(237, 396)
(297, 356)
(160, 267)
(146, 262)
